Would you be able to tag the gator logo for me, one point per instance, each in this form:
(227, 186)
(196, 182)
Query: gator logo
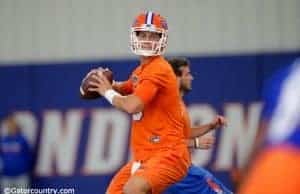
(214, 186)
(154, 139)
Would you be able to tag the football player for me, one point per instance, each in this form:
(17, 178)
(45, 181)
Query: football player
(151, 95)
(275, 169)
(198, 180)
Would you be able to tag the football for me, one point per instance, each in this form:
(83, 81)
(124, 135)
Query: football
(85, 93)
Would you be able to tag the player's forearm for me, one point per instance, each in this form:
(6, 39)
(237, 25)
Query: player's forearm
(130, 104)
(201, 130)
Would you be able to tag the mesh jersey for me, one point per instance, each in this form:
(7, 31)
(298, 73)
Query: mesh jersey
(160, 125)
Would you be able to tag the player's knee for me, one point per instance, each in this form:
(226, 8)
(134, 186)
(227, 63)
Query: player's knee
(137, 185)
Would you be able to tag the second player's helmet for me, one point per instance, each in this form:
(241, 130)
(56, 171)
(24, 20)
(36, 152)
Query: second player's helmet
(151, 22)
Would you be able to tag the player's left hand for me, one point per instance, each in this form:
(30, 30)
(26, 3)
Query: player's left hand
(219, 122)
(101, 83)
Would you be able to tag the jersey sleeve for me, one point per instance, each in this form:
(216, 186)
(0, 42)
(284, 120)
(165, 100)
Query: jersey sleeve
(153, 80)
(126, 87)
(146, 91)
(158, 78)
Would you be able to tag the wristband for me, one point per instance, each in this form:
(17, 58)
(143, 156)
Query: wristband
(197, 142)
(110, 94)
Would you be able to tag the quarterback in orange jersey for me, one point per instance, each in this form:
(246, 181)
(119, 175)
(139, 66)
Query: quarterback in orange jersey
(151, 95)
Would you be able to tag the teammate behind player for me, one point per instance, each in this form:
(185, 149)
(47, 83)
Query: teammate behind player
(198, 180)
(160, 153)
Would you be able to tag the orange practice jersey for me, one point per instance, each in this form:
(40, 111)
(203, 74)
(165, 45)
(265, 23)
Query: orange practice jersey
(186, 120)
(160, 125)
(276, 171)
(187, 124)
